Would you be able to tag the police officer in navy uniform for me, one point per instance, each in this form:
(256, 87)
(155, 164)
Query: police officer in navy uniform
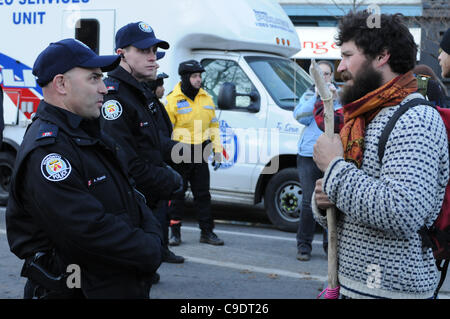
(72, 202)
(128, 115)
(163, 122)
(164, 125)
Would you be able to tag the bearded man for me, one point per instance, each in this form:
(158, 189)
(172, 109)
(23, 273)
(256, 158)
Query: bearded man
(382, 204)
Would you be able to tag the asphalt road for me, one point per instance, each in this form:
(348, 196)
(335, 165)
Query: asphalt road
(257, 262)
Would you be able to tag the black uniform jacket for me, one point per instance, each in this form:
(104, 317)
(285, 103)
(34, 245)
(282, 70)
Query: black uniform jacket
(128, 118)
(69, 192)
(163, 123)
(165, 130)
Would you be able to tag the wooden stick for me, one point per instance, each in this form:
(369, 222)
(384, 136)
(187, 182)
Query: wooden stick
(327, 99)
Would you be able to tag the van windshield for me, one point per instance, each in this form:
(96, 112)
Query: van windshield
(283, 79)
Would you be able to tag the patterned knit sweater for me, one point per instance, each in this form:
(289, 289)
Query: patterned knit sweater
(381, 207)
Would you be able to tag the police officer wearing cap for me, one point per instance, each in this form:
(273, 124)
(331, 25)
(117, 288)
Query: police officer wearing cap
(128, 115)
(163, 122)
(192, 112)
(156, 88)
(73, 208)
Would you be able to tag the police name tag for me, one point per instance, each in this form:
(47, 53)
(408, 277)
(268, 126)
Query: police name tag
(55, 168)
(111, 110)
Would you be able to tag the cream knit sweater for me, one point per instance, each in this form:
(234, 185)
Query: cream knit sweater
(381, 207)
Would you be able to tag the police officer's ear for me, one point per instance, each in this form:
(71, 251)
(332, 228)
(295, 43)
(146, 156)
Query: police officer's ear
(60, 83)
(120, 53)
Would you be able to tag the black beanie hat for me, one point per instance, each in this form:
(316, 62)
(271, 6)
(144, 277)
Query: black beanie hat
(445, 43)
(189, 67)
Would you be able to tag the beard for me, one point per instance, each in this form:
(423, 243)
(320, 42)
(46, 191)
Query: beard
(446, 73)
(366, 80)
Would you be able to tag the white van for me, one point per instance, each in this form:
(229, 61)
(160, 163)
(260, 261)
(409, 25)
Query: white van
(244, 45)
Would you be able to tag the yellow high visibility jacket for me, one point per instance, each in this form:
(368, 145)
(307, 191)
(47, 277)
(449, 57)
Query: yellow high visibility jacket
(193, 121)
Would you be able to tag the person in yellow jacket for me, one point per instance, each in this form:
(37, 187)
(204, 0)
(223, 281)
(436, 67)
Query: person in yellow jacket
(192, 113)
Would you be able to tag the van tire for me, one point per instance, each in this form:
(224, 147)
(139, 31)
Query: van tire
(7, 160)
(283, 198)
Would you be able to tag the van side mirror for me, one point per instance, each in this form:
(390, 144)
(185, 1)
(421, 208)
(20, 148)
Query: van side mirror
(227, 98)
(255, 101)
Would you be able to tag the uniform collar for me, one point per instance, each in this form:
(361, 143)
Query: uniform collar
(121, 74)
(72, 123)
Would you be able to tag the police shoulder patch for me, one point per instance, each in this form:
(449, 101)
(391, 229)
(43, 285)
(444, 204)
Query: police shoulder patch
(47, 130)
(111, 110)
(55, 168)
(112, 85)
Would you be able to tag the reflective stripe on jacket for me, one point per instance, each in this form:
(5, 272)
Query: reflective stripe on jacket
(194, 121)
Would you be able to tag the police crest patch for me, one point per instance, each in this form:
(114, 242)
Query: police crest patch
(55, 168)
(111, 110)
(145, 27)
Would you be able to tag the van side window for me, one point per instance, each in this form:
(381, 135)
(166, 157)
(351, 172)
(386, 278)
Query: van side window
(88, 32)
(219, 71)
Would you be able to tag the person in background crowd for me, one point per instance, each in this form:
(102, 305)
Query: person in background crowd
(434, 90)
(444, 55)
(191, 110)
(307, 170)
(165, 128)
(157, 86)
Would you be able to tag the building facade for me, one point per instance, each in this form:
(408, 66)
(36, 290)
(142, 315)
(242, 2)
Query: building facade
(316, 21)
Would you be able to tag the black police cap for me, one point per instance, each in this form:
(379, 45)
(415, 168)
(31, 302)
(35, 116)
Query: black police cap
(162, 76)
(62, 56)
(140, 35)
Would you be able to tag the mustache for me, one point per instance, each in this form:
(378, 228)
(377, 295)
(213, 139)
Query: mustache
(346, 76)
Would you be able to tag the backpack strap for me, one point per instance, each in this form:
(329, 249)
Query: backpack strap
(391, 123)
(443, 270)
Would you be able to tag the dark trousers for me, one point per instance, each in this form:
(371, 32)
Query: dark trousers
(308, 173)
(36, 291)
(197, 174)
(161, 212)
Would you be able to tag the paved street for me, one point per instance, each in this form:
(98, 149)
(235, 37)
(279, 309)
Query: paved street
(256, 262)
(253, 263)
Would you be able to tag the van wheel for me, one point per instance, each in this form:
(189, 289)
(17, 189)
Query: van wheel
(283, 199)
(7, 160)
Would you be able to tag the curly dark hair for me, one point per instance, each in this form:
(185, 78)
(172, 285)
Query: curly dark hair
(392, 35)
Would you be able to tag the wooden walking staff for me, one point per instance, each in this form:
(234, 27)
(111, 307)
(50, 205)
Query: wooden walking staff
(332, 291)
